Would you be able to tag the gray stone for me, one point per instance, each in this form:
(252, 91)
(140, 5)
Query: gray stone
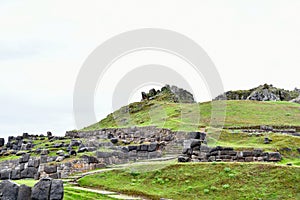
(41, 190)
(57, 190)
(183, 159)
(8, 190)
(6, 174)
(16, 174)
(2, 142)
(29, 172)
(44, 159)
(153, 146)
(114, 140)
(59, 159)
(44, 152)
(274, 157)
(49, 169)
(144, 147)
(25, 158)
(24, 192)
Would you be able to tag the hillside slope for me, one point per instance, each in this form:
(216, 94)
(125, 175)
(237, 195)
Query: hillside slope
(239, 113)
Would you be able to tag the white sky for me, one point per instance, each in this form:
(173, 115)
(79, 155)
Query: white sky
(44, 43)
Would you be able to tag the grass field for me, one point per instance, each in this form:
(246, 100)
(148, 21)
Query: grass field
(190, 117)
(204, 181)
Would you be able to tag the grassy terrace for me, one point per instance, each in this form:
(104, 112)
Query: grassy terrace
(204, 181)
(191, 117)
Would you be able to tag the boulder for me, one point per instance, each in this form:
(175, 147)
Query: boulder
(144, 147)
(267, 140)
(57, 190)
(25, 135)
(6, 174)
(131, 148)
(114, 140)
(16, 174)
(75, 143)
(24, 193)
(274, 157)
(25, 158)
(29, 172)
(90, 159)
(2, 142)
(8, 190)
(60, 153)
(183, 159)
(41, 190)
(82, 149)
(44, 152)
(49, 169)
(153, 146)
(59, 159)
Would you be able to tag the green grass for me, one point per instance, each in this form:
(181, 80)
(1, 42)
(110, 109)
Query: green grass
(191, 117)
(204, 181)
(71, 194)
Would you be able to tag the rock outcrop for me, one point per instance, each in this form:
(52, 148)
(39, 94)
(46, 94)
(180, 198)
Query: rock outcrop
(261, 93)
(170, 94)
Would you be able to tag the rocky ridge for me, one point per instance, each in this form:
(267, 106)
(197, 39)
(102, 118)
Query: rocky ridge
(262, 93)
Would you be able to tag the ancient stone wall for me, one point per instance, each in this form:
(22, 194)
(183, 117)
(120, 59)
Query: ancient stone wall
(46, 189)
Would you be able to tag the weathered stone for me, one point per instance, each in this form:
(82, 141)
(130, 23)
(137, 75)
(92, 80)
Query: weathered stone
(100, 154)
(57, 190)
(131, 148)
(28, 172)
(44, 152)
(8, 190)
(6, 174)
(274, 157)
(59, 159)
(153, 146)
(41, 190)
(75, 143)
(90, 159)
(247, 153)
(25, 158)
(144, 147)
(24, 192)
(16, 174)
(82, 149)
(195, 144)
(44, 159)
(2, 142)
(114, 140)
(267, 140)
(257, 152)
(183, 159)
(49, 169)
(20, 153)
(60, 153)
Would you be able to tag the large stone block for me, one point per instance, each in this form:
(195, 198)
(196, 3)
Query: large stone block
(50, 169)
(57, 190)
(24, 192)
(41, 190)
(9, 190)
(2, 142)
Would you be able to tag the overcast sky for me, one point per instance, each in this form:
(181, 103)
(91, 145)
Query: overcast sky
(43, 45)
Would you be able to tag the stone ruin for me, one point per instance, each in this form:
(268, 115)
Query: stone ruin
(196, 150)
(113, 146)
(169, 93)
(45, 189)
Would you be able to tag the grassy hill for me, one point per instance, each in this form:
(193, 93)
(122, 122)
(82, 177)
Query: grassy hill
(204, 181)
(191, 117)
